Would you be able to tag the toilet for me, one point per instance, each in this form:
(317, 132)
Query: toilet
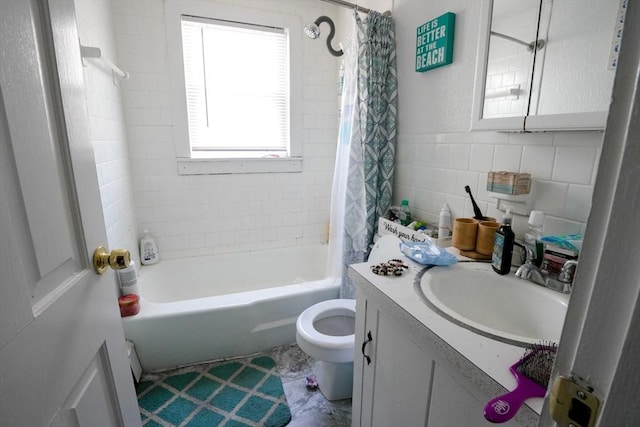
(326, 332)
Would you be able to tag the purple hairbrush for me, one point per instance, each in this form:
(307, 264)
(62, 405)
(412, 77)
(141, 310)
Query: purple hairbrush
(532, 374)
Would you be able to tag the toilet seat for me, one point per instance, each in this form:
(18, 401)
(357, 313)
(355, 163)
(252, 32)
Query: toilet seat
(331, 348)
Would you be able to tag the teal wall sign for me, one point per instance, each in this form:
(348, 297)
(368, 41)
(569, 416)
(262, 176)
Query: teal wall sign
(434, 42)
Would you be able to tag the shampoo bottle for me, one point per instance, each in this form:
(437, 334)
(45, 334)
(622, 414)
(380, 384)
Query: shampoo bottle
(148, 249)
(503, 245)
(444, 224)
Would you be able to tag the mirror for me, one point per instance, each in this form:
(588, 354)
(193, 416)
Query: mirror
(514, 25)
(546, 64)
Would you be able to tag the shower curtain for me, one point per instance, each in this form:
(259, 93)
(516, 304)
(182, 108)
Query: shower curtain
(363, 176)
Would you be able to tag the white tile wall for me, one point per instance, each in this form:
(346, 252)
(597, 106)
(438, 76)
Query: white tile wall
(107, 127)
(193, 215)
(562, 164)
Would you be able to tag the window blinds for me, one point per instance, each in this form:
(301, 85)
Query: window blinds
(237, 87)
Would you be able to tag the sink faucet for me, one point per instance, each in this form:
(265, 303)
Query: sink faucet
(529, 271)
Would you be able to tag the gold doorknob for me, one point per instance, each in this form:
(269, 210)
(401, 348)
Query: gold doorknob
(117, 259)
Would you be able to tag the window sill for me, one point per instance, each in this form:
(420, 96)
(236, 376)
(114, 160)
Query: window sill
(188, 166)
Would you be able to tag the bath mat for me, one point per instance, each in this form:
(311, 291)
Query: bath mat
(244, 392)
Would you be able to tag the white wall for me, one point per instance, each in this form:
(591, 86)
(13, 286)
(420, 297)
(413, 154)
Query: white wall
(438, 155)
(195, 215)
(107, 126)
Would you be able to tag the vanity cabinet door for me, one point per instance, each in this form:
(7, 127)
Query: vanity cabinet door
(393, 389)
(453, 404)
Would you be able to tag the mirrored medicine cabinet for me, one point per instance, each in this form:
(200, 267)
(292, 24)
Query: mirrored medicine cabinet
(546, 64)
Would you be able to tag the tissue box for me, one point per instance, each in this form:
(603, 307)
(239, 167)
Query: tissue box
(509, 182)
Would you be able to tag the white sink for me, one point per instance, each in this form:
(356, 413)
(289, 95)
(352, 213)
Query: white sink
(505, 308)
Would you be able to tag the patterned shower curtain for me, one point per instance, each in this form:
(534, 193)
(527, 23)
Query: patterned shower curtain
(363, 178)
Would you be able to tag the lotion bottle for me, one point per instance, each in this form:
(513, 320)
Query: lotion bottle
(444, 223)
(148, 249)
(503, 245)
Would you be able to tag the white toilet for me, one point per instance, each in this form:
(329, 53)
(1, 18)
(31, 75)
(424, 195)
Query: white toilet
(326, 332)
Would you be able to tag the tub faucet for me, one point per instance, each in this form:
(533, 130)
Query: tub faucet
(529, 271)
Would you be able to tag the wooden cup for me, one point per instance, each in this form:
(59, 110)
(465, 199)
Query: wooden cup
(486, 234)
(464, 233)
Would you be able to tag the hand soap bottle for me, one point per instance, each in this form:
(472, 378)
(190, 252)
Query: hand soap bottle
(148, 249)
(503, 245)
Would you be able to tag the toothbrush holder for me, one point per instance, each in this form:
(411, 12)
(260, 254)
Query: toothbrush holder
(486, 234)
(464, 235)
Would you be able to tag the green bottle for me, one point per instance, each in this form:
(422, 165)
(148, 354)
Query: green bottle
(405, 213)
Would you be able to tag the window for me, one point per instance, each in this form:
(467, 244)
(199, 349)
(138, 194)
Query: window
(235, 88)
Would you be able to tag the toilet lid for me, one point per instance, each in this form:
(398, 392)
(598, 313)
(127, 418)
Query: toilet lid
(321, 310)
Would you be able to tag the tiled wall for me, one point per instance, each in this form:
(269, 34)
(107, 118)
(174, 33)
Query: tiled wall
(434, 168)
(107, 126)
(194, 215)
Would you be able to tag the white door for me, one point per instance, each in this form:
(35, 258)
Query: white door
(62, 351)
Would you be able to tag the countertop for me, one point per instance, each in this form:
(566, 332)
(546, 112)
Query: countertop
(483, 361)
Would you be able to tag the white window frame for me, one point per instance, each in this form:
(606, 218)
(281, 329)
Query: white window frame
(188, 165)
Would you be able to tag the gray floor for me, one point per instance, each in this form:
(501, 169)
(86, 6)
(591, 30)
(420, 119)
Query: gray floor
(308, 408)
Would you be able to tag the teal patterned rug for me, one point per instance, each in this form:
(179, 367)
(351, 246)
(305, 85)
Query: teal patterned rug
(245, 392)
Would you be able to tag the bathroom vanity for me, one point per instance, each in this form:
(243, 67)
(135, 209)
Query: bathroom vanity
(413, 367)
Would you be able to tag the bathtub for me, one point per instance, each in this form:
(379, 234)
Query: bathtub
(215, 307)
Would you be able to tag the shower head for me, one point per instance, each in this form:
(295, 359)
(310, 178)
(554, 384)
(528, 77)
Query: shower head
(312, 30)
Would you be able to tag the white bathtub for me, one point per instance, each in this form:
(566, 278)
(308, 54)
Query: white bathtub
(214, 307)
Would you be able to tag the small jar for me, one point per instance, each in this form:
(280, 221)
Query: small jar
(129, 305)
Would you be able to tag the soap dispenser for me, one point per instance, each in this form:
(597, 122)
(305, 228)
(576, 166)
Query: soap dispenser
(148, 249)
(503, 245)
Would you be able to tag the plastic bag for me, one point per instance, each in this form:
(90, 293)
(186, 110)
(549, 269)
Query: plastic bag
(427, 253)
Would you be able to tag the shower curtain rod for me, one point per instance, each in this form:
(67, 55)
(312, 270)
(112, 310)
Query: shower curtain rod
(349, 5)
